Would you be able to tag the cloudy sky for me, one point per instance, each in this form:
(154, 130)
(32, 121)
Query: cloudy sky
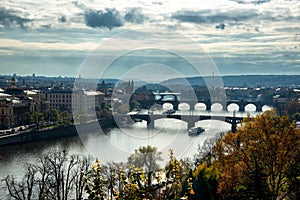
(240, 36)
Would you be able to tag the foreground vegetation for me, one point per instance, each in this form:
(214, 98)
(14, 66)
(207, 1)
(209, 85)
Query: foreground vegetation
(260, 161)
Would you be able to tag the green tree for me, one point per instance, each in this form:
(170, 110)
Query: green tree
(146, 158)
(81, 117)
(103, 111)
(54, 116)
(205, 182)
(37, 118)
(205, 175)
(65, 118)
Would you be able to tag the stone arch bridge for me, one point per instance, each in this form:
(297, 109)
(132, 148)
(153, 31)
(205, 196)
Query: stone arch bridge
(173, 99)
(190, 119)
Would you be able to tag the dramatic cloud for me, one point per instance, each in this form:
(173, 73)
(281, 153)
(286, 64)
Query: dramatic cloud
(10, 20)
(135, 15)
(108, 18)
(207, 16)
(235, 15)
(221, 26)
(237, 33)
(251, 1)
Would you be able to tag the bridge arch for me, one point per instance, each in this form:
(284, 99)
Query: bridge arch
(167, 106)
(184, 106)
(266, 108)
(250, 107)
(233, 107)
(216, 107)
(214, 123)
(200, 107)
(179, 122)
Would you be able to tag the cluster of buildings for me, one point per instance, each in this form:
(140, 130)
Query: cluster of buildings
(17, 102)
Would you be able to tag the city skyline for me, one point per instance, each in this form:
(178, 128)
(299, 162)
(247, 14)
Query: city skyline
(239, 36)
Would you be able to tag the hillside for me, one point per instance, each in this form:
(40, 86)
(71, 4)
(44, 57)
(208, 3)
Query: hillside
(245, 80)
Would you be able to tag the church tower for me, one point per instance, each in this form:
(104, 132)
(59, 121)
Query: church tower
(13, 83)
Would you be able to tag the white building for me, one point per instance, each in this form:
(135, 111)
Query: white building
(77, 100)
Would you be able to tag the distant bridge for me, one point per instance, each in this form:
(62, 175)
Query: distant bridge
(172, 98)
(190, 119)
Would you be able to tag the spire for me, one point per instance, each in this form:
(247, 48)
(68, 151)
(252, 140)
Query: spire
(13, 82)
(132, 86)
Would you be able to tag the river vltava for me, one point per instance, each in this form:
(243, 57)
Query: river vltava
(114, 144)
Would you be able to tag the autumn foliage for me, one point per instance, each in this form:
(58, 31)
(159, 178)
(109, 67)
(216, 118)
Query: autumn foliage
(258, 161)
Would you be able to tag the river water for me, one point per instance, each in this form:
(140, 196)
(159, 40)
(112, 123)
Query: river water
(114, 144)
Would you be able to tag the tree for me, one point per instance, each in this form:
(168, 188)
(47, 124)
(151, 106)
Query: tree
(23, 189)
(205, 176)
(293, 110)
(258, 160)
(146, 157)
(103, 111)
(37, 118)
(80, 117)
(66, 118)
(205, 152)
(205, 182)
(27, 118)
(120, 108)
(134, 104)
(54, 116)
(95, 183)
(57, 176)
(175, 173)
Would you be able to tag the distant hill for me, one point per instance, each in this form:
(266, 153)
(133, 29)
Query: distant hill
(244, 80)
(109, 80)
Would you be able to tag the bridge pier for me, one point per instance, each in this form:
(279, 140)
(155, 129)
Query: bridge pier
(208, 107)
(242, 108)
(258, 108)
(150, 124)
(190, 124)
(175, 105)
(233, 127)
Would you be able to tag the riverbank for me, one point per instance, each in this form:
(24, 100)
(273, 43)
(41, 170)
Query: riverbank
(72, 130)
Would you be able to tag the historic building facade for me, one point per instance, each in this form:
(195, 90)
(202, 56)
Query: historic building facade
(61, 99)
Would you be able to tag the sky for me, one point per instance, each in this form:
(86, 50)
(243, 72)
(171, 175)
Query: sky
(60, 37)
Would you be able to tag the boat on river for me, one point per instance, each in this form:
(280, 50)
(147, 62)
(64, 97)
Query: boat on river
(195, 131)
